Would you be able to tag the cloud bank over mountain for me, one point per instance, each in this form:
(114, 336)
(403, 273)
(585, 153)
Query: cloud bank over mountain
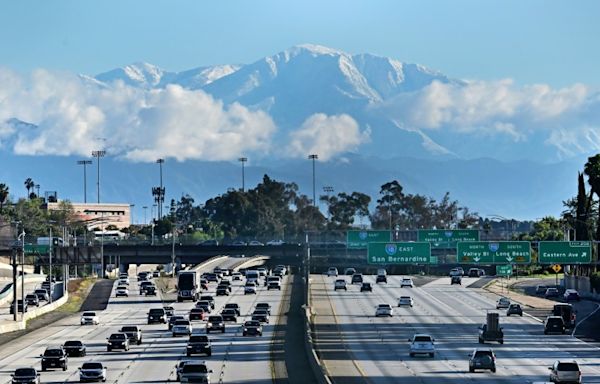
(307, 99)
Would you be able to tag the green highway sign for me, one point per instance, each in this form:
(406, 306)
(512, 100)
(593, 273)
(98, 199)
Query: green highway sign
(399, 253)
(35, 249)
(360, 239)
(565, 252)
(494, 252)
(503, 270)
(447, 238)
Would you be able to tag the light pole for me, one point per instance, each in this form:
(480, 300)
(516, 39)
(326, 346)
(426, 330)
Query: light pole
(328, 189)
(161, 190)
(145, 208)
(85, 163)
(131, 206)
(22, 237)
(173, 253)
(98, 154)
(313, 157)
(243, 160)
(50, 257)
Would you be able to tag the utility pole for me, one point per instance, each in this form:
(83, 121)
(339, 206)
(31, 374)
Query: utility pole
(98, 154)
(50, 243)
(313, 157)
(243, 160)
(85, 163)
(22, 236)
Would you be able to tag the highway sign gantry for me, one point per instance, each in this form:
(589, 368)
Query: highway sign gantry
(360, 239)
(399, 253)
(494, 252)
(565, 252)
(447, 238)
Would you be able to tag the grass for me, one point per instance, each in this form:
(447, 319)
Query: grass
(78, 292)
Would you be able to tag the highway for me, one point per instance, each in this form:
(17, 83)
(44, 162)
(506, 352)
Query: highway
(379, 349)
(234, 359)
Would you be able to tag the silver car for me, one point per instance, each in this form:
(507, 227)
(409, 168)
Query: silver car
(422, 344)
(565, 372)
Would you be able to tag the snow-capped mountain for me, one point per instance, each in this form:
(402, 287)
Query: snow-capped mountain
(149, 76)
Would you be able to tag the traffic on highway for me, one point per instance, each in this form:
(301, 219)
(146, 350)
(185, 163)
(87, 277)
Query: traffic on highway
(221, 337)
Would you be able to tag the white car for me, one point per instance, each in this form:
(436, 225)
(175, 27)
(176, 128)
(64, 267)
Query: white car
(122, 291)
(182, 327)
(340, 284)
(332, 271)
(92, 371)
(406, 282)
(405, 301)
(384, 310)
(89, 318)
(275, 242)
(422, 344)
(235, 276)
(503, 302)
(123, 282)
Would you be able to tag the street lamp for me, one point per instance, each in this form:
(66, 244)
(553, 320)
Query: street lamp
(131, 206)
(328, 189)
(313, 157)
(85, 163)
(160, 198)
(243, 160)
(145, 208)
(98, 154)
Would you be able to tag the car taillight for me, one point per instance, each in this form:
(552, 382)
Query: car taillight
(572, 317)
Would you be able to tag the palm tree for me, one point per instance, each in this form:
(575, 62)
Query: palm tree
(3, 194)
(29, 184)
(592, 170)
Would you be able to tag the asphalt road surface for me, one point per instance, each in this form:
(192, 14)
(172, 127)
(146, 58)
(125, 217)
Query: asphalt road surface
(379, 349)
(235, 358)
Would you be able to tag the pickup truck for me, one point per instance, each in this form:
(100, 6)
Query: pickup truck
(133, 332)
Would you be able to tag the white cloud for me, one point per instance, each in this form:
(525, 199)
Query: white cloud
(71, 112)
(326, 136)
(567, 117)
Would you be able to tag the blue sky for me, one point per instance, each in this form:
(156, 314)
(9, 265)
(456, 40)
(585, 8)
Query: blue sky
(552, 42)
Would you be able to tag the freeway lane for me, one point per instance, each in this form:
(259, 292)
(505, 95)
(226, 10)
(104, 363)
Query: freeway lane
(234, 359)
(451, 314)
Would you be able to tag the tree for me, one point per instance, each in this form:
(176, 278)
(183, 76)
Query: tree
(592, 170)
(3, 195)
(389, 205)
(29, 184)
(344, 208)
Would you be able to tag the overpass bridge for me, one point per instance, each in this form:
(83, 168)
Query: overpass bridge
(159, 254)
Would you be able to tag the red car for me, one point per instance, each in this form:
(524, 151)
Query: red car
(198, 314)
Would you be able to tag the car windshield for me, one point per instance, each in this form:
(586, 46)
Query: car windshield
(117, 336)
(157, 311)
(252, 324)
(384, 306)
(422, 339)
(182, 322)
(198, 339)
(73, 343)
(194, 368)
(228, 311)
(263, 305)
(480, 354)
(197, 310)
(53, 352)
(231, 305)
(89, 314)
(91, 366)
(174, 319)
(571, 367)
(207, 298)
(215, 318)
(129, 329)
(25, 372)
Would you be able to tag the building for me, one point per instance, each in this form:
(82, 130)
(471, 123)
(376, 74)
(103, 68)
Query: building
(100, 216)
